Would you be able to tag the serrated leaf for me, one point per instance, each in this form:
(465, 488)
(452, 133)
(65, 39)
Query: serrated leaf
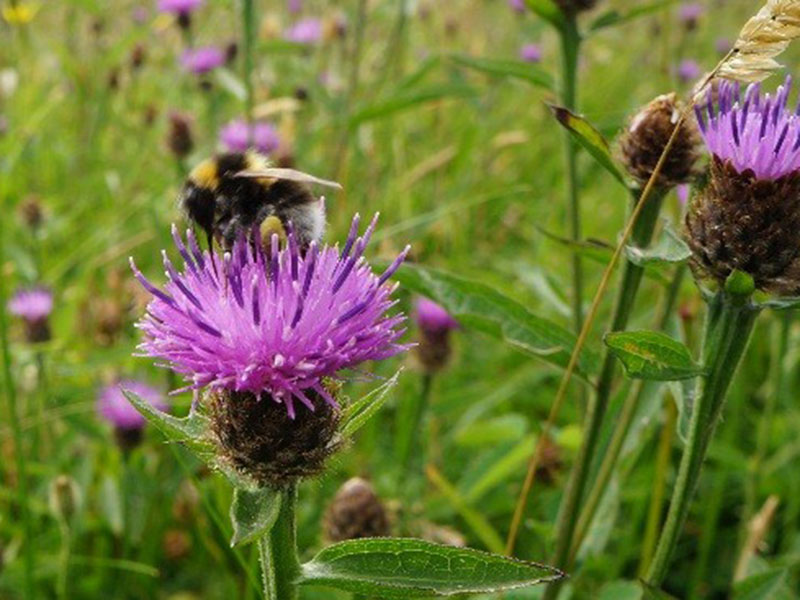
(590, 138)
(652, 355)
(357, 413)
(615, 17)
(253, 513)
(189, 430)
(547, 10)
(761, 586)
(515, 69)
(410, 568)
(668, 249)
(482, 308)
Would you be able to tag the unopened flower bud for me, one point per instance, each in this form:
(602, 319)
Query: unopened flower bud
(34, 307)
(435, 325)
(138, 56)
(64, 497)
(31, 211)
(646, 136)
(356, 512)
(572, 7)
(179, 138)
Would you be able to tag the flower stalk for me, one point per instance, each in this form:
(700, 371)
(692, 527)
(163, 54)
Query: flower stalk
(730, 320)
(277, 551)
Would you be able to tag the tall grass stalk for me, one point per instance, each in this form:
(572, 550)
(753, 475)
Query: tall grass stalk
(248, 51)
(414, 430)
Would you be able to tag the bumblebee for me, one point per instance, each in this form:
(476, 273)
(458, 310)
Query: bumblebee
(230, 194)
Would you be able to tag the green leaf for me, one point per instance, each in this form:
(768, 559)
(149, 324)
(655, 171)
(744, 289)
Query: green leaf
(515, 69)
(590, 138)
(549, 11)
(652, 355)
(651, 593)
(482, 308)
(409, 568)
(253, 513)
(508, 464)
(761, 586)
(406, 100)
(669, 249)
(786, 303)
(357, 413)
(189, 430)
(615, 17)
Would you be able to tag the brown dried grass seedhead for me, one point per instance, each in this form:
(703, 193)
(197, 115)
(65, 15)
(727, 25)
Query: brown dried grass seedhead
(736, 221)
(646, 136)
(259, 440)
(356, 512)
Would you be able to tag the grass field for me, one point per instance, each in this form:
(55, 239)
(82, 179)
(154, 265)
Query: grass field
(424, 112)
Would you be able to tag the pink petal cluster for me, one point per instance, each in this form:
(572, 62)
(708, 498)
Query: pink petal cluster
(34, 304)
(305, 31)
(237, 136)
(271, 321)
(202, 60)
(432, 317)
(756, 132)
(179, 7)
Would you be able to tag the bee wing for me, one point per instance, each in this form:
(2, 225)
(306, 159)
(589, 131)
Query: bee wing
(289, 175)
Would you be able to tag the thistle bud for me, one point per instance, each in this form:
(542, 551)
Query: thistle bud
(31, 212)
(356, 512)
(34, 306)
(179, 138)
(746, 216)
(64, 497)
(572, 7)
(435, 325)
(258, 438)
(646, 136)
(138, 56)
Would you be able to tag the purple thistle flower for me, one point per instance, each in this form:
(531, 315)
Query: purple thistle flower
(179, 7)
(531, 53)
(294, 6)
(272, 320)
(754, 132)
(202, 60)
(115, 408)
(140, 15)
(305, 31)
(690, 13)
(431, 317)
(34, 304)
(683, 193)
(236, 136)
(688, 70)
(517, 5)
(723, 45)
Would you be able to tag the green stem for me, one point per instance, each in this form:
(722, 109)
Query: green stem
(729, 324)
(417, 410)
(19, 450)
(629, 287)
(248, 43)
(277, 552)
(624, 420)
(63, 561)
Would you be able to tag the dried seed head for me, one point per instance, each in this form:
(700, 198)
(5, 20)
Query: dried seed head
(572, 7)
(259, 439)
(356, 512)
(179, 138)
(737, 221)
(646, 137)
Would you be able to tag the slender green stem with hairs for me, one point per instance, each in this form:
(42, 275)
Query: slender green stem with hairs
(10, 392)
(277, 552)
(596, 410)
(730, 320)
(248, 50)
(418, 406)
(624, 420)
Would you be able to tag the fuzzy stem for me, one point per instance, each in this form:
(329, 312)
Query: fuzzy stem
(19, 451)
(729, 324)
(63, 561)
(277, 551)
(629, 287)
(624, 420)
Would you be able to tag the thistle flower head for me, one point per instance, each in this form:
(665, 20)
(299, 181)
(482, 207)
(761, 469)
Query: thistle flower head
(517, 6)
(688, 70)
(531, 53)
(305, 31)
(752, 132)
(432, 317)
(435, 324)
(179, 7)
(115, 408)
(356, 512)
(33, 304)
(238, 136)
(689, 13)
(271, 321)
(202, 60)
(575, 6)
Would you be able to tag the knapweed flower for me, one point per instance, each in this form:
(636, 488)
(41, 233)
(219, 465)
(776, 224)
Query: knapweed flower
(294, 6)
(356, 512)
(179, 7)
(237, 136)
(202, 60)
(305, 31)
(435, 325)
(723, 45)
(690, 13)
(688, 70)
(646, 136)
(531, 53)
(264, 328)
(517, 6)
(116, 409)
(34, 306)
(179, 137)
(747, 215)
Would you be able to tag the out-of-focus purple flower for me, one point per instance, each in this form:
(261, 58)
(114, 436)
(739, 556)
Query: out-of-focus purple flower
(531, 53)
(690, 12)
(294, 6)
(202, 60)
(683, 193)
(115, 408)
(722, 45)
(517, 5)
(305, 31)
(757, 133)
(269, 320)
(33, 305)
(431, 317)
(140, 15)
(236, 136)
(688, 70)
(179, 7)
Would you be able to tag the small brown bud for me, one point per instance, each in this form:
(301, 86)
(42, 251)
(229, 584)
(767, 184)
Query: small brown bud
(138, 56)
(113, 79)
(176, 544)
(31, 211)
(572, 7)
(184, 21)
(179, 138)
(231, 52)
(64, 497)
(356, 512)
(128, 438)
